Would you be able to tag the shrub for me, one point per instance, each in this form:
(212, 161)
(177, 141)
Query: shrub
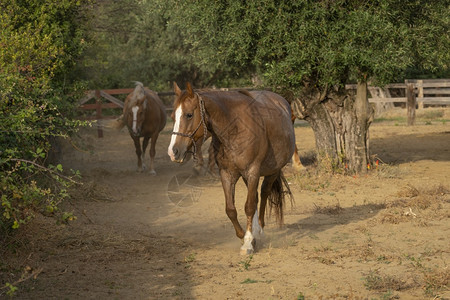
(39, 41)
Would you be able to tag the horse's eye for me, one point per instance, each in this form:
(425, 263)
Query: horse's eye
(189, 116)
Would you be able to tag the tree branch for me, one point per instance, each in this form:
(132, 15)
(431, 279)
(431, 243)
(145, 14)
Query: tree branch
(44, 168)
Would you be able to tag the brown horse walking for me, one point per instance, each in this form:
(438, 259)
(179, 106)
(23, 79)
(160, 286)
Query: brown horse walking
(199, 162)
(145, 117)
(252, 136)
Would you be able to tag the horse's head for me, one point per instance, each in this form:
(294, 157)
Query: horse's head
(137, 105)
(189, 124)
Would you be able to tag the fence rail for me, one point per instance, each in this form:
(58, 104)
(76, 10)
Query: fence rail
(428, 92)
(420, 92)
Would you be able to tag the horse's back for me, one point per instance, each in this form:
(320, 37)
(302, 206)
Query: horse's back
(158, 109)
(274, 110)
(276, 115)
(265, 97)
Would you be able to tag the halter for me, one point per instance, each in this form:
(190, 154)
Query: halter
(202, 122)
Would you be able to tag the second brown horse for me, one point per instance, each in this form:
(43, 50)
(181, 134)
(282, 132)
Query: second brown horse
(144, 114)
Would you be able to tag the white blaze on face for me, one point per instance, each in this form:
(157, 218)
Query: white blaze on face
(176, 128)
(135, 111)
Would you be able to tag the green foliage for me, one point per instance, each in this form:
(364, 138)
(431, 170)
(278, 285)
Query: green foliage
(40, 42)
(11, 289)
(246, 263)
(249, 280)
(286, 43)
(134, 40)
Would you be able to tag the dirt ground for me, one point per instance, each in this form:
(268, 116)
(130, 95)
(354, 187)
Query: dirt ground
(384, 235)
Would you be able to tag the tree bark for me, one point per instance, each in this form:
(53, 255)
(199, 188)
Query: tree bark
(340, 122)
(411, 104)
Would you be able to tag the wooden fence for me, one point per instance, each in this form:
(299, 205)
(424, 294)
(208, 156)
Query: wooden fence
(428, 92)
(416, 93)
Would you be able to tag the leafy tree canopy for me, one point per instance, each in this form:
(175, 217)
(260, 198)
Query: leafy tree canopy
(324, 43)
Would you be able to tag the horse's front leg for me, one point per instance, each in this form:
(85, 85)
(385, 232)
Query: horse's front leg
(198, 163)
(152, 154)
(144, 148)
(211, 160)
(229, 180)
(251, 211)
(137, 145)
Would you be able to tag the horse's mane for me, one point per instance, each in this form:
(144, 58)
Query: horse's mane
(246, 93)
(138, 93)
(203, 91)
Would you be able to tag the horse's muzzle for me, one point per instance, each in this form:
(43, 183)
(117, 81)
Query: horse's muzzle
(175, 155)
(179, 156)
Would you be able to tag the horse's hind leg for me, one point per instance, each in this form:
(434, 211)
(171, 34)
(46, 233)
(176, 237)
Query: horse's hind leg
(296, 163)
(266, 190)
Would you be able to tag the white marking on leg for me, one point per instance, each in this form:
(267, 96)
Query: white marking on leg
(135, 110)
(247, 247)
(256, 228)
(176, 127)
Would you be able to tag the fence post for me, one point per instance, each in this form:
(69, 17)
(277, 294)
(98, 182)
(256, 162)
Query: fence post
(98, 112)
(410, 104)
(420, 93)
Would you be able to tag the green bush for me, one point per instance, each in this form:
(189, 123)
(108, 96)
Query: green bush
(40, 41)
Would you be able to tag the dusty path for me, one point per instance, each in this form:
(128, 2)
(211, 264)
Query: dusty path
(346, 237)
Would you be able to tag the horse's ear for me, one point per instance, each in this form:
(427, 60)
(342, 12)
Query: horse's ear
(176, 89)
(189, 90)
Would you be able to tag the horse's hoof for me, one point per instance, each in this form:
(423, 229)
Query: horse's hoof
(245, 251)
(298, 167)
(248, 247)
(152, 172)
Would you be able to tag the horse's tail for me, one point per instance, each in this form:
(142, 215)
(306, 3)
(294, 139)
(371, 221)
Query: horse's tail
(280, 188)
(118, 123)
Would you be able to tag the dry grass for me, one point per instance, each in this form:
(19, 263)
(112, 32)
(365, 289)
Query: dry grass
(436, 281)
(382, 283)
(423, 116)
(419, 204)
(92, 191)
(328, 209)
(386, 171)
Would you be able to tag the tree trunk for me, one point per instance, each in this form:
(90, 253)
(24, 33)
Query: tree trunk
(340, 122)
(411, 104)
